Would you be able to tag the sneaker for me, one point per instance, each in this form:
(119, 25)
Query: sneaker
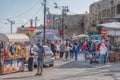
(36, 74)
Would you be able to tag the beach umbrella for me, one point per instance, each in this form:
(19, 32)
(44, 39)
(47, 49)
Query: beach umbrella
(83, 36)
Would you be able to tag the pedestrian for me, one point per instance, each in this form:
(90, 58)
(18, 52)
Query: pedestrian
(108, 51)
(31, 58)
(67, 50)
(75, 50)
(71, 50)
(62, 49)
(103, 50)
(41, 55)
(84, 49)
(53, 48)
(57, 49)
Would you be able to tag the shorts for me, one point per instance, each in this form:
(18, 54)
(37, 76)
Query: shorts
(39, 62)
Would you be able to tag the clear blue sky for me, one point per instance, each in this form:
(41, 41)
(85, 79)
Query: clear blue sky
(21, 11)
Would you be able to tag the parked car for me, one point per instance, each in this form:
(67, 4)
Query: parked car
(49, 56)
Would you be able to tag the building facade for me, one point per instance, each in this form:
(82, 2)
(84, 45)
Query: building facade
(73, 24)
(102, 9)
(105, 11)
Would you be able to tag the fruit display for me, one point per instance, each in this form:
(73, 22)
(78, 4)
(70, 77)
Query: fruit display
(24, 55)
(14, 56)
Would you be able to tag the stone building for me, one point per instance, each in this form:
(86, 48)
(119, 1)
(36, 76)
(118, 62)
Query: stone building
(103, 9)
(73, 24)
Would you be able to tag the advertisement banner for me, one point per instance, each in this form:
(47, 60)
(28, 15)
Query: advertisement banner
(12, 65)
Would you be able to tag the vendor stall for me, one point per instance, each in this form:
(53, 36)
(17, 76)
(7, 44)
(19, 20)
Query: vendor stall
(13, 52)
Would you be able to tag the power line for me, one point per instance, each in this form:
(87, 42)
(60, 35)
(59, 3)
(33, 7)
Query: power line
(25, 11)
(2, 22)
(34, 14)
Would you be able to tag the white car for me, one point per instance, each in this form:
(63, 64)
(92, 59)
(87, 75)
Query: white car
(49, 56)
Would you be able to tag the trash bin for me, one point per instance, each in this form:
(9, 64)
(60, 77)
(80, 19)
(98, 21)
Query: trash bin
(30, 64)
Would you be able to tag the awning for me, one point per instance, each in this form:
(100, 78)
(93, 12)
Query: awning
(14, 37)
(113, 25)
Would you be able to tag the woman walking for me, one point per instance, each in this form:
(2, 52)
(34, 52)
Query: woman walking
(62, 50)
(67, 50)
(103, 50)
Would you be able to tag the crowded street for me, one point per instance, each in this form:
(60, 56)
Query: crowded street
(59, 39)
(71, 70)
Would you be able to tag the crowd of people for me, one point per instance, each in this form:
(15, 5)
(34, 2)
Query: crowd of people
(92, 49)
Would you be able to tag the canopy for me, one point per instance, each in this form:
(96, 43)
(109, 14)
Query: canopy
(82, 35)
(113, 25)
(95, 36)
(13, 37)
(49, 35)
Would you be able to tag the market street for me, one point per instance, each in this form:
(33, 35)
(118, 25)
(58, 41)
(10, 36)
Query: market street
(71, 70)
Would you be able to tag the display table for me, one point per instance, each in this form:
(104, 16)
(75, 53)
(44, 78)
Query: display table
(11, 65)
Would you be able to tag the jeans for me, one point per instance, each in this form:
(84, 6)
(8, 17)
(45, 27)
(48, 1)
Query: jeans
(71, 54)
(66, 54)
(102, 59)
(76, 55)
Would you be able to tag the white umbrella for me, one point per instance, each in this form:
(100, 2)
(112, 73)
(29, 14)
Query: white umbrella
(113, 25)
(82, 35)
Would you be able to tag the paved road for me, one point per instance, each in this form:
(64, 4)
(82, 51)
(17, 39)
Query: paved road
(71, 70)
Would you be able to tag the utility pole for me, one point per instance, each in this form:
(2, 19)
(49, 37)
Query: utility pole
(11, 24)
(36, 21)
(62, 23)
(31, 22)
(64, 10)
(44, 20)
(53, 21)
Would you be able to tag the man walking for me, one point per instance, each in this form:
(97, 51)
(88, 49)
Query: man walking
(41, 55)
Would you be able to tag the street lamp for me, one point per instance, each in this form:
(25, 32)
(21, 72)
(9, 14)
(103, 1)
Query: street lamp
(11, 23)
(64, 10)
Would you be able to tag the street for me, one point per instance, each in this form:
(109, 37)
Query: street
(71, 70)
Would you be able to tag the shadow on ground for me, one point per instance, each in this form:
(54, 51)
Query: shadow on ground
(76, 64)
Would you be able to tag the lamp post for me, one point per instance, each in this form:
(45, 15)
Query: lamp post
(11, 23)
(64, 10)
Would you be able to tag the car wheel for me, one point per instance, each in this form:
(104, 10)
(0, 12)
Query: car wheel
(51, 65)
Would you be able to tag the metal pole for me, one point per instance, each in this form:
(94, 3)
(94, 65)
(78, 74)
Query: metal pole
(53, 21)
(11, 26)
(35, 22)
(63, 24)
(44, 19)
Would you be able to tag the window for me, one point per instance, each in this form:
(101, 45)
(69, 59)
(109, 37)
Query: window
(118, 9)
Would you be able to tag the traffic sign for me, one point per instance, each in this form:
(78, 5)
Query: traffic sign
(31, 30)
(104, 31)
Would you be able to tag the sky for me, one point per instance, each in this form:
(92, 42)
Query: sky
(21, 11)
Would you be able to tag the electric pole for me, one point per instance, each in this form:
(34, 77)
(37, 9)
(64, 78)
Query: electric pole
(36, 21)
(11, 24)
(44, 20)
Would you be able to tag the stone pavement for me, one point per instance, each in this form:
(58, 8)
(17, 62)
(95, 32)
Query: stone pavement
(71, 70)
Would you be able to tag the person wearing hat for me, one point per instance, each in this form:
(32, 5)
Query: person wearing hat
(41, 55)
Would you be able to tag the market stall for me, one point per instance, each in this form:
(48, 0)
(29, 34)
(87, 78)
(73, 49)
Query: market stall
(13, 52)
